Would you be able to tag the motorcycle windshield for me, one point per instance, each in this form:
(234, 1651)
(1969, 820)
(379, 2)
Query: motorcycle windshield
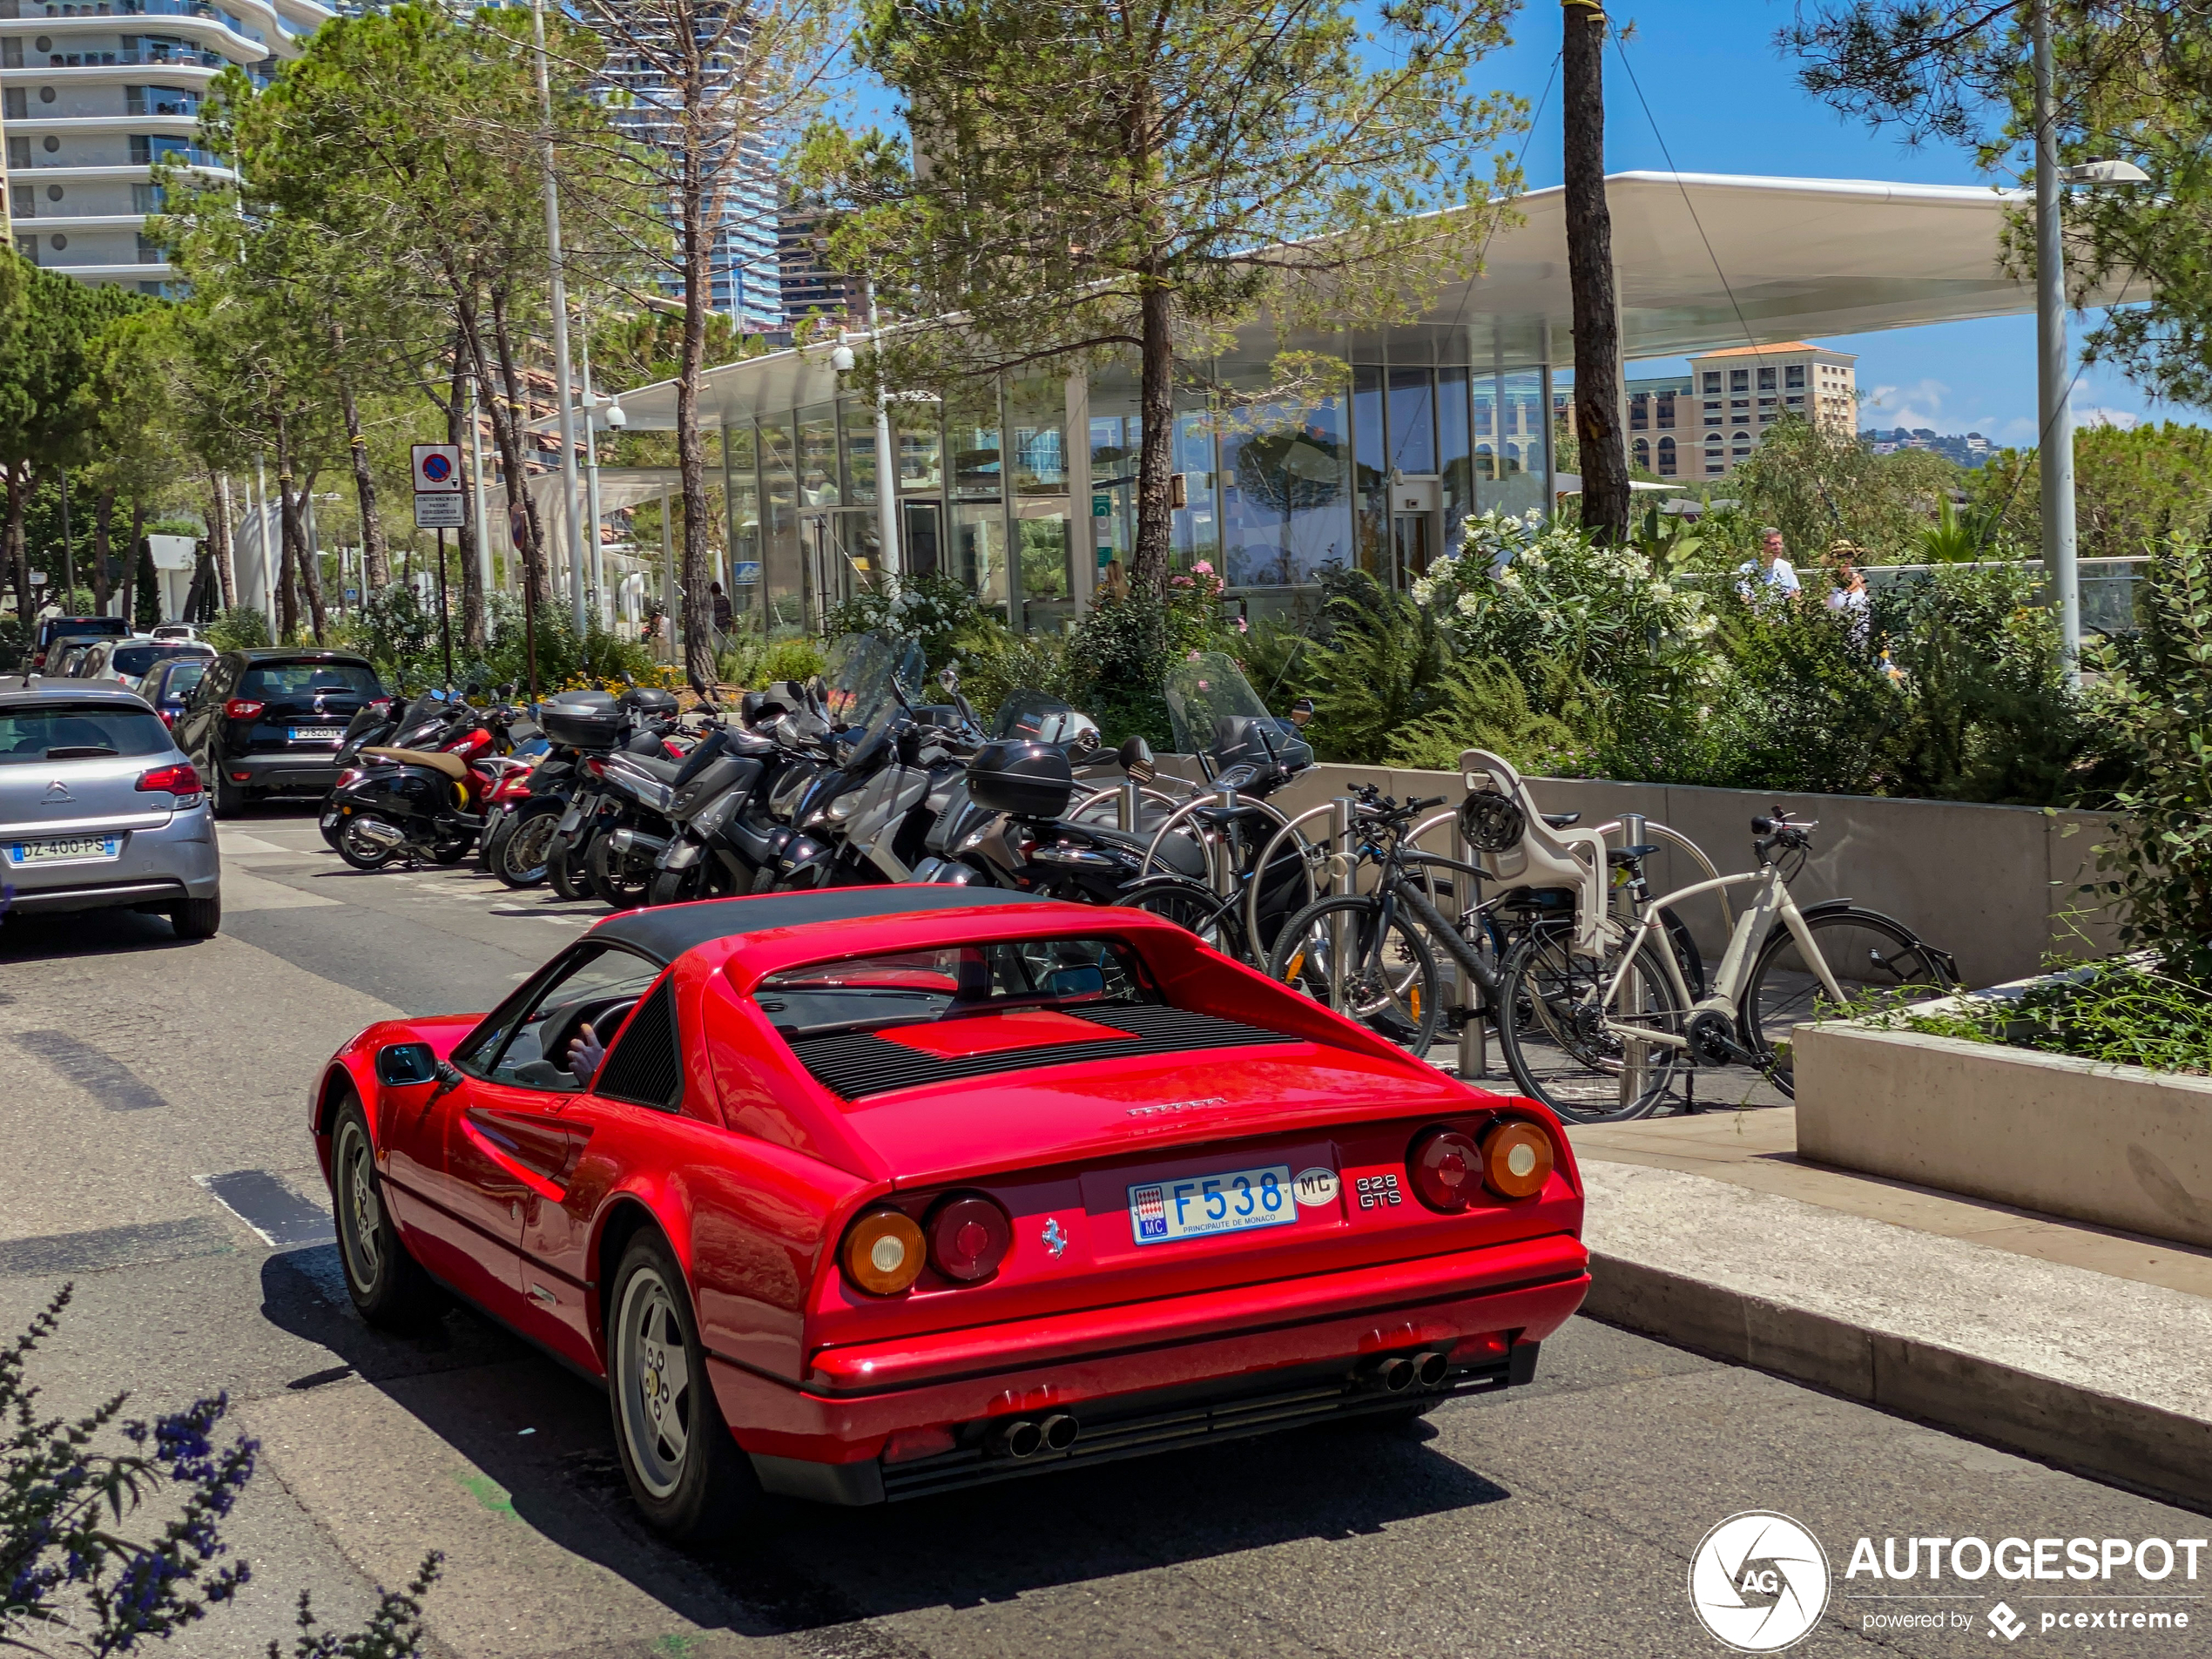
(870, 674)
(1212, 704)
(1030, 714)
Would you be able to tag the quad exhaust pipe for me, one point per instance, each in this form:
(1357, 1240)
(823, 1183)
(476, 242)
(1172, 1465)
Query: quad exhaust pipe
(1025, 1437)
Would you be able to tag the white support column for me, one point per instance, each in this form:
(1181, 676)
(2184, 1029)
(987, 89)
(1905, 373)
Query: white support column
(1083, 528)
(1550, 428)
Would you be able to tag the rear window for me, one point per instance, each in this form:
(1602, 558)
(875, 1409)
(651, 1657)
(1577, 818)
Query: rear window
(912, 987)
(106, 626)
(271, 682)
(35, 734)
(179, 680)
(136, 659)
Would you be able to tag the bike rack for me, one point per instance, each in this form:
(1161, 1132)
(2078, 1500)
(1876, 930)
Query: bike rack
(1309, 855)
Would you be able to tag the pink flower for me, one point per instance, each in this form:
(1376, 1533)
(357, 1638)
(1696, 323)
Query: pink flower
(1202, 567)
(1179, 582)
(1242, 627)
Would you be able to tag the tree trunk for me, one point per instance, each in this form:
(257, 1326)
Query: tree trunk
(131, 559)
(1590, 277)
(69, 552)
(18, 554)
(1155, 453)
(103, 547)
(310, 565)
(226, 549)
(506, 424)
(691, 444)
(376, 566)
(287, 596)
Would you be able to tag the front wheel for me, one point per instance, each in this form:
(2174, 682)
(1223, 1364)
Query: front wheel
(1588, 1058)
(620, 880)
(683, 1464)
(383, 1279)
(563, 866)
(1339, 952)
(197, 918)
(230, 800)
(1875, 962)
(1193, 908)
(523, 852)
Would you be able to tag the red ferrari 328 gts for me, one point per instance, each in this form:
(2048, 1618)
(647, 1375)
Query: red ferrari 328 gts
(872, 1192)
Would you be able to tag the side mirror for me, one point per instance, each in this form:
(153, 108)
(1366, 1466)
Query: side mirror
(399, 1064)
(948, 677)
(1302, 710)
(1135, 756)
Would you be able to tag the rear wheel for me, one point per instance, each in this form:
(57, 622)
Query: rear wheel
(1194, 909)
(494, 837)
(1388, 980)
(683, 1464)
(197, 918)
(563, 867)
(1564, 1047)
(355, 847)
(621, 879)
(383, 1279)
(1875, 962)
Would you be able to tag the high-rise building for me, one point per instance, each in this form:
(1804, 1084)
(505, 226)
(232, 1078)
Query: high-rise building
(1742, 392)
(810, 288)
(746, 275)
(93, 96)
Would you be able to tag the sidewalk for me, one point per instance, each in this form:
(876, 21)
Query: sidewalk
(2088, 1348)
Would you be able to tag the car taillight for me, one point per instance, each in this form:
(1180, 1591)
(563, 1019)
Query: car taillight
(242, 708)
(181, 780)
(883, 1253)
(351, 775)
(1447, 1168)
(168, 716)
(968, 1237)
(1516, 1159)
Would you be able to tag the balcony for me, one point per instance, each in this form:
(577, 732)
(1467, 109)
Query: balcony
(127, 58)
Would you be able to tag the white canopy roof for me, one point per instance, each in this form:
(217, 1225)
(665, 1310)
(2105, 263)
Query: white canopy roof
(1704, 260)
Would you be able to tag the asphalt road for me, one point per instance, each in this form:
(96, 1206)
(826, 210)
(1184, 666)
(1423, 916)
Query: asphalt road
(151, 1105)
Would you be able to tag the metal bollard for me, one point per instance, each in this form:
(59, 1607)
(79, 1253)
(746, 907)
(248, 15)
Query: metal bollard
(1635, 1054)
(1475, 1035)
(1224, 863)
(1342, 865)
(1129, 806)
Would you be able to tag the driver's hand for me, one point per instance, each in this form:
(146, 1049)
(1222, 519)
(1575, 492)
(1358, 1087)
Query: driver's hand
(585, 1054)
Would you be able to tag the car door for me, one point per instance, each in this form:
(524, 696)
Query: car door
(500, 1140)
(195, 734)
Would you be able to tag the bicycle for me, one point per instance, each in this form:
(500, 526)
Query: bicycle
(1599, 1038)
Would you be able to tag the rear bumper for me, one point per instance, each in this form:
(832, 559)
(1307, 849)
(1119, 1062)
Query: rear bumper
(1219, 1365)
(158, 866)
(282, 774)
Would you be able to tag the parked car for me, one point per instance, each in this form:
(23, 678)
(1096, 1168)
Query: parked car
(874, 1192)
(176, 630)
(53, 628)
(128, 659)
(268, 721)
(68, 652)
(170, 682)
(99, 807)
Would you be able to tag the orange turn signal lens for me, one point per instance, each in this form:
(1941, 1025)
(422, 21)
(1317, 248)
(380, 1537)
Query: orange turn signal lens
(1516, 1160)
(883, 1252)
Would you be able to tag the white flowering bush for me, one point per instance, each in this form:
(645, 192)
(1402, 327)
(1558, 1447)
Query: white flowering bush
(1545, 595)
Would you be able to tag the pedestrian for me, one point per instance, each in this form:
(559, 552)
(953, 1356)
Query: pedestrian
(1847, 594)
(721, 607)
(1771, 575)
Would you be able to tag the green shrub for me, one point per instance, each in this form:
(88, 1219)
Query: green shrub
(937, 610)
(237, 628)
(748, 659)
(2158, 707)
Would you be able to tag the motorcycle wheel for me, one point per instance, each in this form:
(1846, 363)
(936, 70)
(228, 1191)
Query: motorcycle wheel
(617, 879)
(523, 855)
(330, 832)
(358, 851)
(495, 838)
(765, 881)
(562, 866)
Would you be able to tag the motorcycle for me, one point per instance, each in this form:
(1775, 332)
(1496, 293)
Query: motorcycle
(722, 828)
(416, 804)
(598, 725)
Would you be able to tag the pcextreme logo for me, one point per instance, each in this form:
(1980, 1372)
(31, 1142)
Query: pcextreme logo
(1759, 1581)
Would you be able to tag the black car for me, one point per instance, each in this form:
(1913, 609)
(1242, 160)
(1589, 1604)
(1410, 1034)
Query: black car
(169, 683)
(269, 721)
(53, 628)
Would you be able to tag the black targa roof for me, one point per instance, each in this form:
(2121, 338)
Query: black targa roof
(667, 931)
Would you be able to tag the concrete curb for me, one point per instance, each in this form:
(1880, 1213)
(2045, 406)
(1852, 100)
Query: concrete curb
(2162, 1453)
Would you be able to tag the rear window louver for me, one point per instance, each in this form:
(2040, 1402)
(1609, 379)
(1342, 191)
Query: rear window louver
(646, 1065)
(856, 1064)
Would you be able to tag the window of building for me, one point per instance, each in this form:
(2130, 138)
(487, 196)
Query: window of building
(1739, 380)
(1794, 377)
(1712, 406)
(1712, 381)
(1666, 410)
(1797, 403)
(1766, 402)
(1739, 419)
(1643, 451)
(1768, 419)
(1666, 457)
(1766, 379)
(1640, 412)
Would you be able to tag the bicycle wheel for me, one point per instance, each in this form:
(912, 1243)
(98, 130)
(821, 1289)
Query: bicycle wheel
(1584, 1063)
(1389, 981)
(1195, 910)
(1877, 963)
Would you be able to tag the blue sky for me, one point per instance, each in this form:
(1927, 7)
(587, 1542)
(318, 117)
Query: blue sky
(1727, 101)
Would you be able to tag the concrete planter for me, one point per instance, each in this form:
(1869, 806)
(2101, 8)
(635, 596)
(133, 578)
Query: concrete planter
(2118, 1146)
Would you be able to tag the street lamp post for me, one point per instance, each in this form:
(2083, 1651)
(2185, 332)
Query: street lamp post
(560, 298)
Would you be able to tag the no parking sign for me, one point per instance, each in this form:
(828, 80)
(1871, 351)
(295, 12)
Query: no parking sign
(437, 469)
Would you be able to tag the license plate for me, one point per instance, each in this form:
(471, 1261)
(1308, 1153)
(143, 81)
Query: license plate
(74, 850)
(1199, 1206)
(317, 733)
(329, 818)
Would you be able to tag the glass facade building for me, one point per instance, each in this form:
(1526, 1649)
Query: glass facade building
(1027, 496)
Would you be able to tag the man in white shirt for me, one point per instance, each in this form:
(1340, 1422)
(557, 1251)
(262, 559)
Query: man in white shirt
(1773, 577)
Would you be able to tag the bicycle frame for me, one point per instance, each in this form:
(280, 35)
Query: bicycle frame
(1773, 904)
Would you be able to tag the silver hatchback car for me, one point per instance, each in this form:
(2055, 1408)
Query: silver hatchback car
(98, 807)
